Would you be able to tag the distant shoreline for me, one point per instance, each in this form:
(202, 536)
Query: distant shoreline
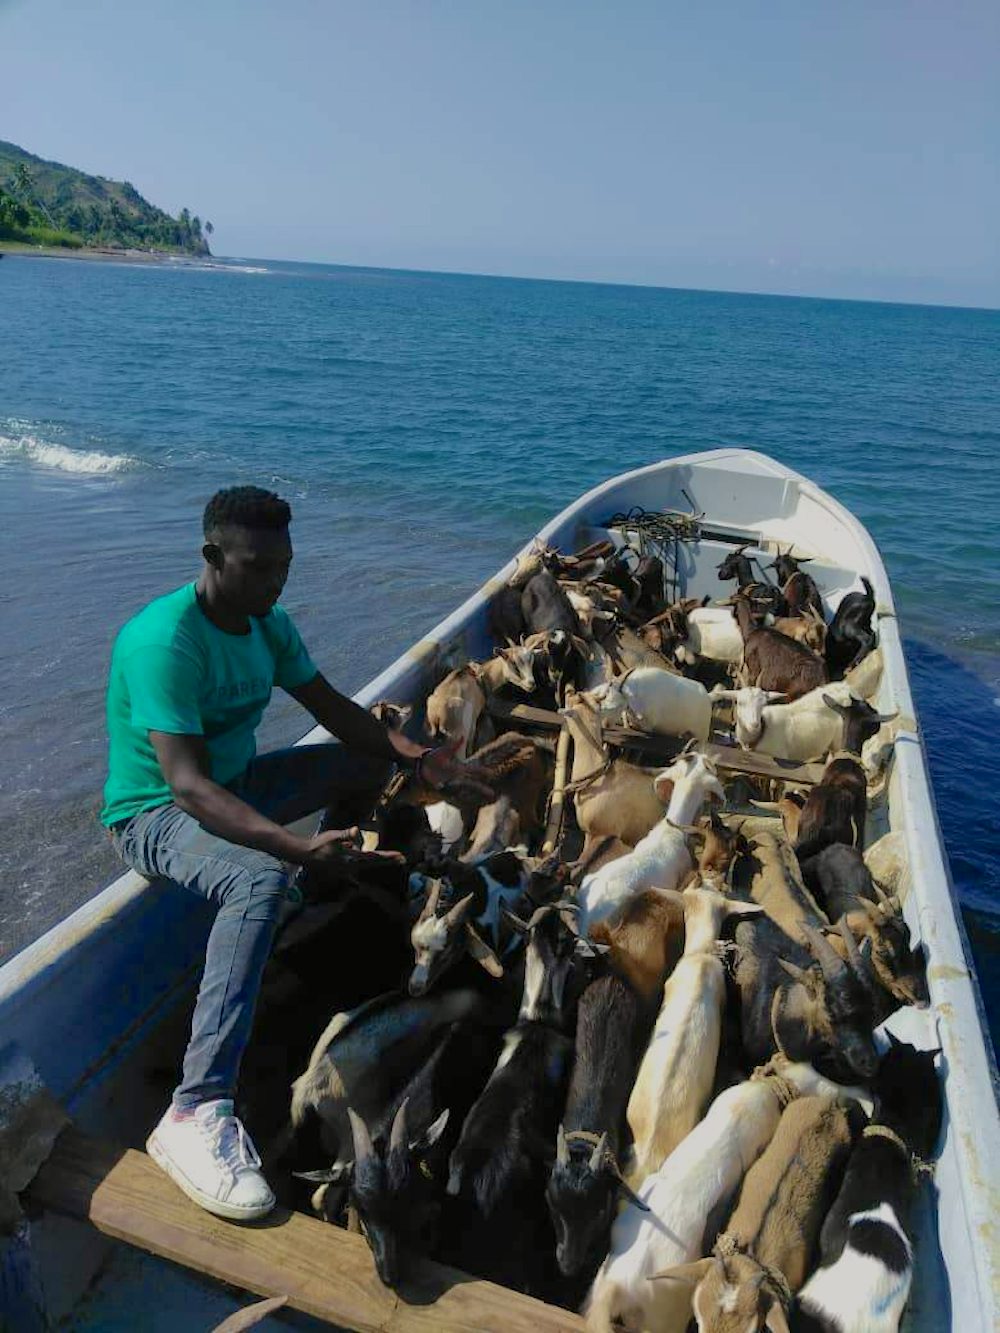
(15, 248)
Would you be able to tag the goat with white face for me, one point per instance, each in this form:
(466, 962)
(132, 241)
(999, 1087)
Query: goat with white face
(657, 702)
(827, 718)
(675, 1077)
(661, 859)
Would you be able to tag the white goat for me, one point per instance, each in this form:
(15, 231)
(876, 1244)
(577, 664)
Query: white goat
(807, 728)
(658, 702)
(698, 1178)
(712, 632)
(675, 1077)
(661, 859)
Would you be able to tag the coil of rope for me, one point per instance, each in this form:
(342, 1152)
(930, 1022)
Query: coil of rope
(660, 532)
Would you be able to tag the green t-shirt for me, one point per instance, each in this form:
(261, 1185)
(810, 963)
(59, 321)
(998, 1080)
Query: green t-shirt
(173, 670)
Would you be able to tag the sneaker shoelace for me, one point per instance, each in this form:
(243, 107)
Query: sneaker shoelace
(231, 1144)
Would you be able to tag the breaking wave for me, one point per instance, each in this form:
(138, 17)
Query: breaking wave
(63, 459)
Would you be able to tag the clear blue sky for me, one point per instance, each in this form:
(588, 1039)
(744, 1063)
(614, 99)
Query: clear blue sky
(844, 149)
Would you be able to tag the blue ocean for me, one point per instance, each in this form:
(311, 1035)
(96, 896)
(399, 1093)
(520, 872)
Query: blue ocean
(422, 427)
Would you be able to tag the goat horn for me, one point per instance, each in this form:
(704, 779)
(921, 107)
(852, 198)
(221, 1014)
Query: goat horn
(597, 1156)
(823, 951)
(766, 805)
(398, 1134)
(459, 912)
(362, 1139)
(431, 902)
(562, 1147)
(887, 717)
(853, 954)
(794, 971)
(880, 893)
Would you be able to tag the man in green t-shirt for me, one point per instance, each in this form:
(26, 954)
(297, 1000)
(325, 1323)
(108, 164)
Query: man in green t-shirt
(187, 799)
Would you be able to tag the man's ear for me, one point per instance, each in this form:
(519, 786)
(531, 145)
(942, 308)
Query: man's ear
(212, 554)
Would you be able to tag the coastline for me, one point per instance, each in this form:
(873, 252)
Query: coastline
(20, 248)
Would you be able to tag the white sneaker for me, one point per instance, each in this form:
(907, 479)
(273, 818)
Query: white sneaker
(211, 1157)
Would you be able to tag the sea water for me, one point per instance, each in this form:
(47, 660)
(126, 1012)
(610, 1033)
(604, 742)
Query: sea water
(422, 427)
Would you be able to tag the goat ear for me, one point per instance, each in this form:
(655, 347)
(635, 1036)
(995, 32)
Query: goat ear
(250, 1315)
(690, 1274)
(481, 952)
(830, 702)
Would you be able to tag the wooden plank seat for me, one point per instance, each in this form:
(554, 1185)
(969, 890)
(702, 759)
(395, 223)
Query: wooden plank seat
(324, 1271)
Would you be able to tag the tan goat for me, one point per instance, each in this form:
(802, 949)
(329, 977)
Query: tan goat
(456, 705)
(645, 941)
(612, 798)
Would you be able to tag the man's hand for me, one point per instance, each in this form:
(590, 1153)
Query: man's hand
(337, 847)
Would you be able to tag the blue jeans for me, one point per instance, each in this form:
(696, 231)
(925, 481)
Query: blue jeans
(248, 887)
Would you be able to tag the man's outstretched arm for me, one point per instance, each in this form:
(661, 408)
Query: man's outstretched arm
(183, 761)
(353, 724)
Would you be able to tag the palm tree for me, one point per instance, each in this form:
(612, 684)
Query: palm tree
(25, 186)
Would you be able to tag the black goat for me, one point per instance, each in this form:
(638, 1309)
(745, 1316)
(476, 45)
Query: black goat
(849, 636)
(738, 566)
(834, 810)
(798, 588)
(611, 1032)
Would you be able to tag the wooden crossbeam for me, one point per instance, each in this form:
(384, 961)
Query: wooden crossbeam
(664, 748)
(324, 1271)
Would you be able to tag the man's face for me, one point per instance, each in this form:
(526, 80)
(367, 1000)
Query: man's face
(250, 566)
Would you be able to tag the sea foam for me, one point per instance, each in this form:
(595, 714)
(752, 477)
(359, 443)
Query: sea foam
(63, 459)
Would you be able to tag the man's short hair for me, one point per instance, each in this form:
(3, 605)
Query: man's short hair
(245, 507)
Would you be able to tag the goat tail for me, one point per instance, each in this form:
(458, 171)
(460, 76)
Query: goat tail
(868, 587)
(602, 1305)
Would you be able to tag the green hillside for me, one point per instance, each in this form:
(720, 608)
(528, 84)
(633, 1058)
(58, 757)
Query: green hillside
(45, 203)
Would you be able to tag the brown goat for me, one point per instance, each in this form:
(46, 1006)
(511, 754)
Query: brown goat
(645, 941)
(773, 661)
(835, 809)
(806, 628)
(776, 884)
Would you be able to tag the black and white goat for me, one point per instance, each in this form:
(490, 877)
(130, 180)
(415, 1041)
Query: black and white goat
(866, 1242)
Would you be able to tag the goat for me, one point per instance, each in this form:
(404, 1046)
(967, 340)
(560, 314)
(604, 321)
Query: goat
(498, 1166)
(406, 828)
(657, 702)
(865, 678)
(694, 1184)
(720, 846)
(806, 1001)
(789, 808)
(393, 717)
(497, 827)
(737, 565)
(675, 1077)
(764, 1254)
(809, 628)
(505, 617)
(628, 650)
(866, 1242)
(799, 589)
(809, 727)
(713, 633)
(843, 881)
(835, 808)
(644, 941)
(661, 858)
(772, 661)
(612, 798)
(648, 574)
(850, 636)
(776, 884)
(362, 1060)
(611, 1030)
(545, 606)
(453, 923)
(455, 707)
